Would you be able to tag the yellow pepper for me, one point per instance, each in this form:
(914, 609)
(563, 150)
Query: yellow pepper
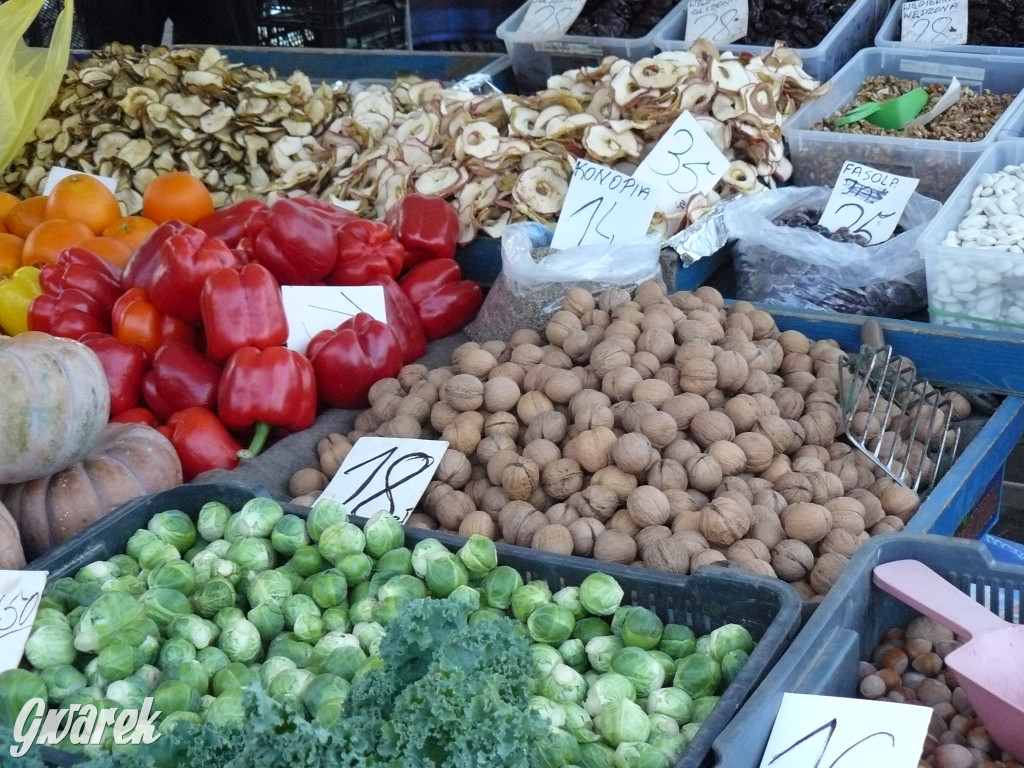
(16, 293)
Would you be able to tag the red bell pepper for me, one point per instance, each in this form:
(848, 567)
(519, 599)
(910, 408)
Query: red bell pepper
(242, 308)
(202, 442)
(366, 249)
(296, 243)
(273, 387)
(136, 319)
(349, 360)
(443, 302)
(138, 272)
(182, 266)
(402, 319)
(426, 226)
(228, 224)
(337, 215)
(70, 315)
(137, 416)
(180, 378)
(81, 269)
(124, 363)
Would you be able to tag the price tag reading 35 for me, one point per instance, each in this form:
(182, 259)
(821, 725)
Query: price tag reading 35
(20, 592)
(937, 22)
(389, 473)
(720, 21)
(867, 202)
(602, 206)
(550, 18)
(684, 162)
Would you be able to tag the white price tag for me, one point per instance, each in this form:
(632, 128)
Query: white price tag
(550, 18)
(867, 202)
(845, 733)
(57, 173)
(20, 592)
(938, 22)
(603, 206)
(720, 21)
(314, 308)
(388, 473)
(684, 162)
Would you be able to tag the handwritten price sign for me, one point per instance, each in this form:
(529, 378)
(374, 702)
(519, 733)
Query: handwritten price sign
(684, 162)
(720, 21)
(388, 473)
(832, 732)
(20, 592)
(867, 202)
(550, 18)
(314, 308)
(938, 22)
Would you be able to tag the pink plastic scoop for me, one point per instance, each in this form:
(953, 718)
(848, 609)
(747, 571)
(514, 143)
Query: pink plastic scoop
(990, 667)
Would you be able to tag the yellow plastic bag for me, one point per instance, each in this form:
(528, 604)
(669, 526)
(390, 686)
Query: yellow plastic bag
(29, 77)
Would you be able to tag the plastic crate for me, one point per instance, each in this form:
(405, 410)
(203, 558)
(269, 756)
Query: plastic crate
(332, 23)
(849, 623)
(939, 165)
(944, 307)
(769, 609)
(534, 62)
(854, 30)
(889, 32)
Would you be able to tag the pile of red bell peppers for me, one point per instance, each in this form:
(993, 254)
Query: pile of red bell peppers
(191, 334)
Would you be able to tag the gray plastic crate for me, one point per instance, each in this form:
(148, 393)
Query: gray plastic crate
(888, 37)
(849, 623)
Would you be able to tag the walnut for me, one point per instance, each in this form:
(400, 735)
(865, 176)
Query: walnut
(439, 376)
(659, 342)
(776, 430)
(588, 398)
(667, 554)
(648, 506)
(542, 452)
(724, 521)
(422, 521)
(621, 482)
(698, 375)
(390, 386)
(561, 386)
(592, 448)
(732, 370)
(819, 428)
(332, 451)
(561, 514)
(899, 501)
(578, 300)
(619, 383)
(645, 537)
(464, 392)
(452, 509)
(807, 522)
(479, 523)
(632, 453)
(497, 463)
(553, 538)
(595, 416)
(667, 474)
(645, 364)
(840, 541)
(659, 428)
(757, 451)
(509, 370)
(824, 486)
(578, 346)
(767, 530)
(526, 355)
(706, 557)
(873, 512)
(415, 407)
(730, 456)
(792, 560)
(596, 501)
(746, 549)
(794, 487)
(607, 356)
(584, 533)
(708, 427)
(704, 472)
(490, 445)
(681, 450)
(684, 407)
(307, 481)
(463, 434)
(561, 324)
(500, 394)
(826, 571)
(475, 362)
(501, 423)
(623, 328)
(615, 547)
(743, 411)
(653, 391)
(453, 469)
(888, 524)
(847, 514)
(561, 479)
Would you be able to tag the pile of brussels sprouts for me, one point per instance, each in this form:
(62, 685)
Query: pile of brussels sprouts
(194, 613)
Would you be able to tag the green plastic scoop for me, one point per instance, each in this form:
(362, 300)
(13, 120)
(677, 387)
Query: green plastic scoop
(892, 115)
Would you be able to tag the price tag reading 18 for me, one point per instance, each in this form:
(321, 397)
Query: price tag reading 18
(720, 21)
(937, 22)
(550, 18)
(867, 202)
(20, 592)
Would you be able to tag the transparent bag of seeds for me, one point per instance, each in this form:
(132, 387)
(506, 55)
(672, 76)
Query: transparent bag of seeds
(534, 280)
(778, 265)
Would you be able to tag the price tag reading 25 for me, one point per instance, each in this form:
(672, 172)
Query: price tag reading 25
(867, 201)
(388, 473)
(20, 592)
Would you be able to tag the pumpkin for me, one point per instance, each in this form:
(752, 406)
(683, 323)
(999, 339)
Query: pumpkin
(128, 460)
(54, 402)
(12, 556)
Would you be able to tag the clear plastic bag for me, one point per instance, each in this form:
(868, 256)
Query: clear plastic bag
(529, 289)
(795, 267)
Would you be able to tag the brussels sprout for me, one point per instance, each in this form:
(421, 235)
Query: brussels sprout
(175, 696)
(619, 618)
(175, 651)
(466, 596)
(336, 619)
(729, 637)
(325, 513)
(174, 527)
(698, 675)
(355, 567)
(339, 540)
(99, 571)
(289, 534)
(596, 755)
(88, 695)
(569, 597)
(189, 671)
(383, 533)
(327, 588)
(547, 710)
(290, 684)
(662, 724)
(213, 516)
(252, 554)
(702, 707)
(345, 661)
(444, 574)
(563, 684)
(93, 675)
(361, 610)
(288, 645)
(150, 675)
(642, 628)
(256, 519)
(479, 555)
(544, 658)
(528, 598)
(556, 749)
(175, 574)
(601, 594)
(50, 616)
(601, 650)
(423, 552)
(671, 701)
(17, 688)
(197, 630)
(500, 585)
(111, 616)
(161, 605)
(125, 565)
(268, 620)
(309, 627)
(550, 623)
(689, 730)
(269, 587)
(295, 606)
(138, 541)
(219, 548)
(240, 641)
(61, 681)
(369, 634)
(213, 659)
(181, 719)
(116, 661)
(732, 663)
(227, 710)
(605, 689)
(272, 667)
(211, 597)
(204, 565)
(639, 754)
(84, 595)
(323, 688)
(227, 616)
(486, 614)
(640, 667)
(589, 627)
(671, 745)
(129, 693)
(50, 645)
(703, 645)
(387, 610)
(395, 562)
(362, 591)
(131, 585)
(623, 720)
(404, 586)
(295, 581)
(328, 644)
(234, 676)
(573, 653)
(61, 590)
(578, 721)
(306, 561)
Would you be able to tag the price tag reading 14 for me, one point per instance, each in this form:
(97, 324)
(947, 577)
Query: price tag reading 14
(867, 202)
(20, 592)
(550, 18)
(720, 21)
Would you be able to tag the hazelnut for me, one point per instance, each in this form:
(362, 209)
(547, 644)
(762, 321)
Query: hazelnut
(614, 547)
(807, 522)
(553, 538)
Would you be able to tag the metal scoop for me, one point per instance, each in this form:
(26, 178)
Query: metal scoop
(990, 667)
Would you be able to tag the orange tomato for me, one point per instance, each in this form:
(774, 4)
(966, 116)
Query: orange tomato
(83, 199)
(130, 230)
(10, 253)
(176, 195)
(7, 201)
(45, 243)
(108, 249)
(26, 215)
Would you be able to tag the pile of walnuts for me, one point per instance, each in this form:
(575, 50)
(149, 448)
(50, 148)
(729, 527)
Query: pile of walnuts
(655, 430)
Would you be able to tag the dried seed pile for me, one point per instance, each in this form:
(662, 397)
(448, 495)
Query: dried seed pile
(801, 23)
